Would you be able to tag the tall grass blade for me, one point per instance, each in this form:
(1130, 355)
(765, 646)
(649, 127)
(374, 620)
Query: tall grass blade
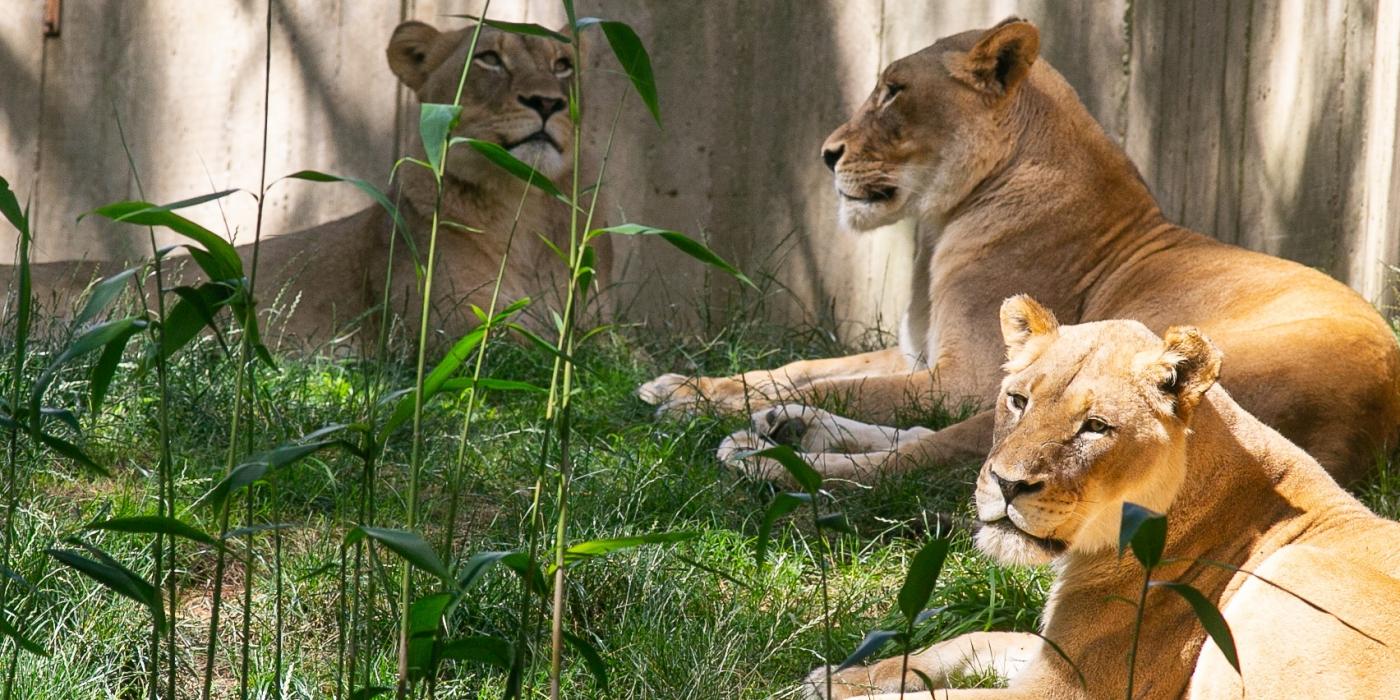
(591, 658)
(1210, 618)
(633, 58)
(681, 242)
(155, 524)
(526, 28)
(503, 158)
(114, 577)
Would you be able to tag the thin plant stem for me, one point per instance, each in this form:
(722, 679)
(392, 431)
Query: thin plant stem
(1137, 629)
(416, 452)
(12, 485)
(244, 376)
(826, 593)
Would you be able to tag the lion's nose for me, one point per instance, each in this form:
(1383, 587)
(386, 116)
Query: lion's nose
(1011, 488)
(832, 156)
(546, 106)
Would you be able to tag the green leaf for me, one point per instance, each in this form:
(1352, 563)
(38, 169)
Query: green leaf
(543, 344)
(519, 168)
(1210, 618)
(155, 525)
(805, 476)
(374, 193)
(221, 261)
(98, 336)
(923, 575)
(488, 650)
(526, 28)
(685, 244)
(424, 625)
(782, 504)
(257, 467)
(603, 547)
(477, 566)
(370, 691)
(9, 207)
(114, 577)
(1145, 531)
(493, 384)
(195, 311)
(435, 122)
(633, 58)
(929, 685)
(19, 638)
(836, 522)
(433, 383)
(102, 295)
(871, 644)
(591, 658)
(69, 450)
(410, 546)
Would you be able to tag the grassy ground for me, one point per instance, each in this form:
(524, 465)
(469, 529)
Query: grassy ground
(691, 620)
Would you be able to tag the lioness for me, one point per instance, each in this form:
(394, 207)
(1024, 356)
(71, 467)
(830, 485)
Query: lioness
(1094, 415)
(516, 96)
(1019, 191)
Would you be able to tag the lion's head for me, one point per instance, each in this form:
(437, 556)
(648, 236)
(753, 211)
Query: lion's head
(1089, 416)
(517, 92)
(935, 126)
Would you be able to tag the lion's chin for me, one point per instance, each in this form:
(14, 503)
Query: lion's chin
(868, 215)
(1005, 543)
(546, 159)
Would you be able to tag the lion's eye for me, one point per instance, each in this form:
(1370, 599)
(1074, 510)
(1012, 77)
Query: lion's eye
(1095, 426)
(490, 59)
(1015, 402)
(891, 91)
(563, 67)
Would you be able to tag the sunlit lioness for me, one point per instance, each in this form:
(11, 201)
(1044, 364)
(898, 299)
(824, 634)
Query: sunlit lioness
(1018, 190)
(321, 279)
(1093, 415)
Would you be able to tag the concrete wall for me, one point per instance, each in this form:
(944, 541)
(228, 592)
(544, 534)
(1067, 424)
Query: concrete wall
(1270, 123)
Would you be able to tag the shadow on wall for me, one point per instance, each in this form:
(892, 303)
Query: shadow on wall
(190, 102)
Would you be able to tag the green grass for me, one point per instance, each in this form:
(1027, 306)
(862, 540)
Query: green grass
(667, 628)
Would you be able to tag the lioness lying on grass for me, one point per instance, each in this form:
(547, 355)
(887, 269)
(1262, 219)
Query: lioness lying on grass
(1018, 190)
(319, 280)
(1091, 416)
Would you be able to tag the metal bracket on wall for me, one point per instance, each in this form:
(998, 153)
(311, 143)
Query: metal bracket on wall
(53, 11)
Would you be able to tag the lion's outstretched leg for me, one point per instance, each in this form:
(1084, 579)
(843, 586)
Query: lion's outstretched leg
(884, 450)
(1005, 654)
(750, 391)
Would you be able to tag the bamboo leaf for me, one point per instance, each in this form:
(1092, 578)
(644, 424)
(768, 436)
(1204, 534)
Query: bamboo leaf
(837, 522)
(102, 295)
(477, 566)
(782, 504)
(1210, 618)
(221, 261)
(923, 575)
(9, 207)
(195, 311)
(435, 122)
(527, 28)
(26, 643)
(114, 577)
(410, 546)
(69, 450)
(633, 58)
(364, 186)
(682, 242)
(871, 644)
(603, 547)
(519, 168)
(1145, 531)
(488, 650)
(155, 525)
(591, 658)
(98, 336)
(805, 476)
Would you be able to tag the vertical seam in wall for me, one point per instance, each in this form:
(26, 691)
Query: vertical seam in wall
(1340, 264)
(1127, 73)
(1222, 130)
(36, 193)
(1244, 126)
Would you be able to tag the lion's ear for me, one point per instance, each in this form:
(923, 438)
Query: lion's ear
(408, 52)
(1023, 318)
(1001, 59)
(1187, 369)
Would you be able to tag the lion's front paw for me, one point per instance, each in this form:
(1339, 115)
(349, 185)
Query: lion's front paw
(731, 453)
(667, 387)
(851, 683)
(806, 428)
